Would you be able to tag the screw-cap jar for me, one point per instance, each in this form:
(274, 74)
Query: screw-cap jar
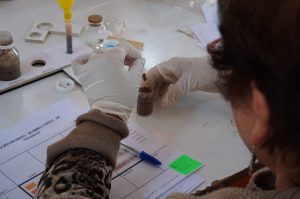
(5, 38)
(9, 58)
(145, 101)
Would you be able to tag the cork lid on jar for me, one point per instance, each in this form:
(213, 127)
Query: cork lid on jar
(5, 38)
(95, 19)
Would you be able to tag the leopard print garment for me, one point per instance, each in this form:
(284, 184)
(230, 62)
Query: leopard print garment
(78, 173)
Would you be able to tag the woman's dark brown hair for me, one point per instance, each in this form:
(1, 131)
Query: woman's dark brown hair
(261, 45)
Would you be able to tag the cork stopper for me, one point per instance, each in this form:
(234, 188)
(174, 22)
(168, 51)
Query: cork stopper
(5, 38)
(95, 19)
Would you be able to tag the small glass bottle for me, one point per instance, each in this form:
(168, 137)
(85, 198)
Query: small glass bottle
(145, 99)
(96, 33)
(9, 58)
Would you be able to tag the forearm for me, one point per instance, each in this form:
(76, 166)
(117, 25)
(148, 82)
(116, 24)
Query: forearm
(78, 173)
(81, 164)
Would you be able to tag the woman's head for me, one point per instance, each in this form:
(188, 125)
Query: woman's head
(259, 69)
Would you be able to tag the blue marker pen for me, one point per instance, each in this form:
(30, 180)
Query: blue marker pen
(143, 155)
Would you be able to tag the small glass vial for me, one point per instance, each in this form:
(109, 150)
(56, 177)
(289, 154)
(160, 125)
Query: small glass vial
(96, 33)
(9, 58)
(145, 101)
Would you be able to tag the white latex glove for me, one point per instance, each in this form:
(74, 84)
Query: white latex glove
(176, 77)
(108, 86)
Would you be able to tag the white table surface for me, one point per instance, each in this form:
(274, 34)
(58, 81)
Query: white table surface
(200, 124)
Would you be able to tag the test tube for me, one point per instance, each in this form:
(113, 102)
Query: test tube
(69, 38)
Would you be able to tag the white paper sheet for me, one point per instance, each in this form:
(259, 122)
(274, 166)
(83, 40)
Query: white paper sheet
(210, 12)
(23, 154)
(207, 32)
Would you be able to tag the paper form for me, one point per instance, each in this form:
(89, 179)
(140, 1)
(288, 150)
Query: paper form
(23, 154)
(23, 148)
(188, 185)
(145, 180)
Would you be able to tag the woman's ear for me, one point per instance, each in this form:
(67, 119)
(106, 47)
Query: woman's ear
(260, 131)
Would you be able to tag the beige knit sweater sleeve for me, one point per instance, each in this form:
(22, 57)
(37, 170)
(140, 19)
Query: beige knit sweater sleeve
(96, 131)
(252, 191)
(225, 193)
(238, 193)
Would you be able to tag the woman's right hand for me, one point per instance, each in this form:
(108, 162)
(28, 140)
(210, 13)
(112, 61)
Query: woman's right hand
(178, 76)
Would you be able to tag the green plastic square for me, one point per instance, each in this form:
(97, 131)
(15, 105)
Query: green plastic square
(185, 165)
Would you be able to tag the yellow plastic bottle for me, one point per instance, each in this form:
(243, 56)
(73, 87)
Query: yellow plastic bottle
(66, 5)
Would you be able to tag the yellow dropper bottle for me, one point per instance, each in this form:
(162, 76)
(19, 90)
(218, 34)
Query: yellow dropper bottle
(66, 5)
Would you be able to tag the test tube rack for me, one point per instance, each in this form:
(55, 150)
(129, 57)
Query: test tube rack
(40, 30)
(45, 63)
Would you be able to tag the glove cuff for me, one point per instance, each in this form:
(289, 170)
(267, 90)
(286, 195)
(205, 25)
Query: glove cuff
(112, 108)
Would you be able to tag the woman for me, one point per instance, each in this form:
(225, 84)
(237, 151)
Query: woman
(257, 69)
